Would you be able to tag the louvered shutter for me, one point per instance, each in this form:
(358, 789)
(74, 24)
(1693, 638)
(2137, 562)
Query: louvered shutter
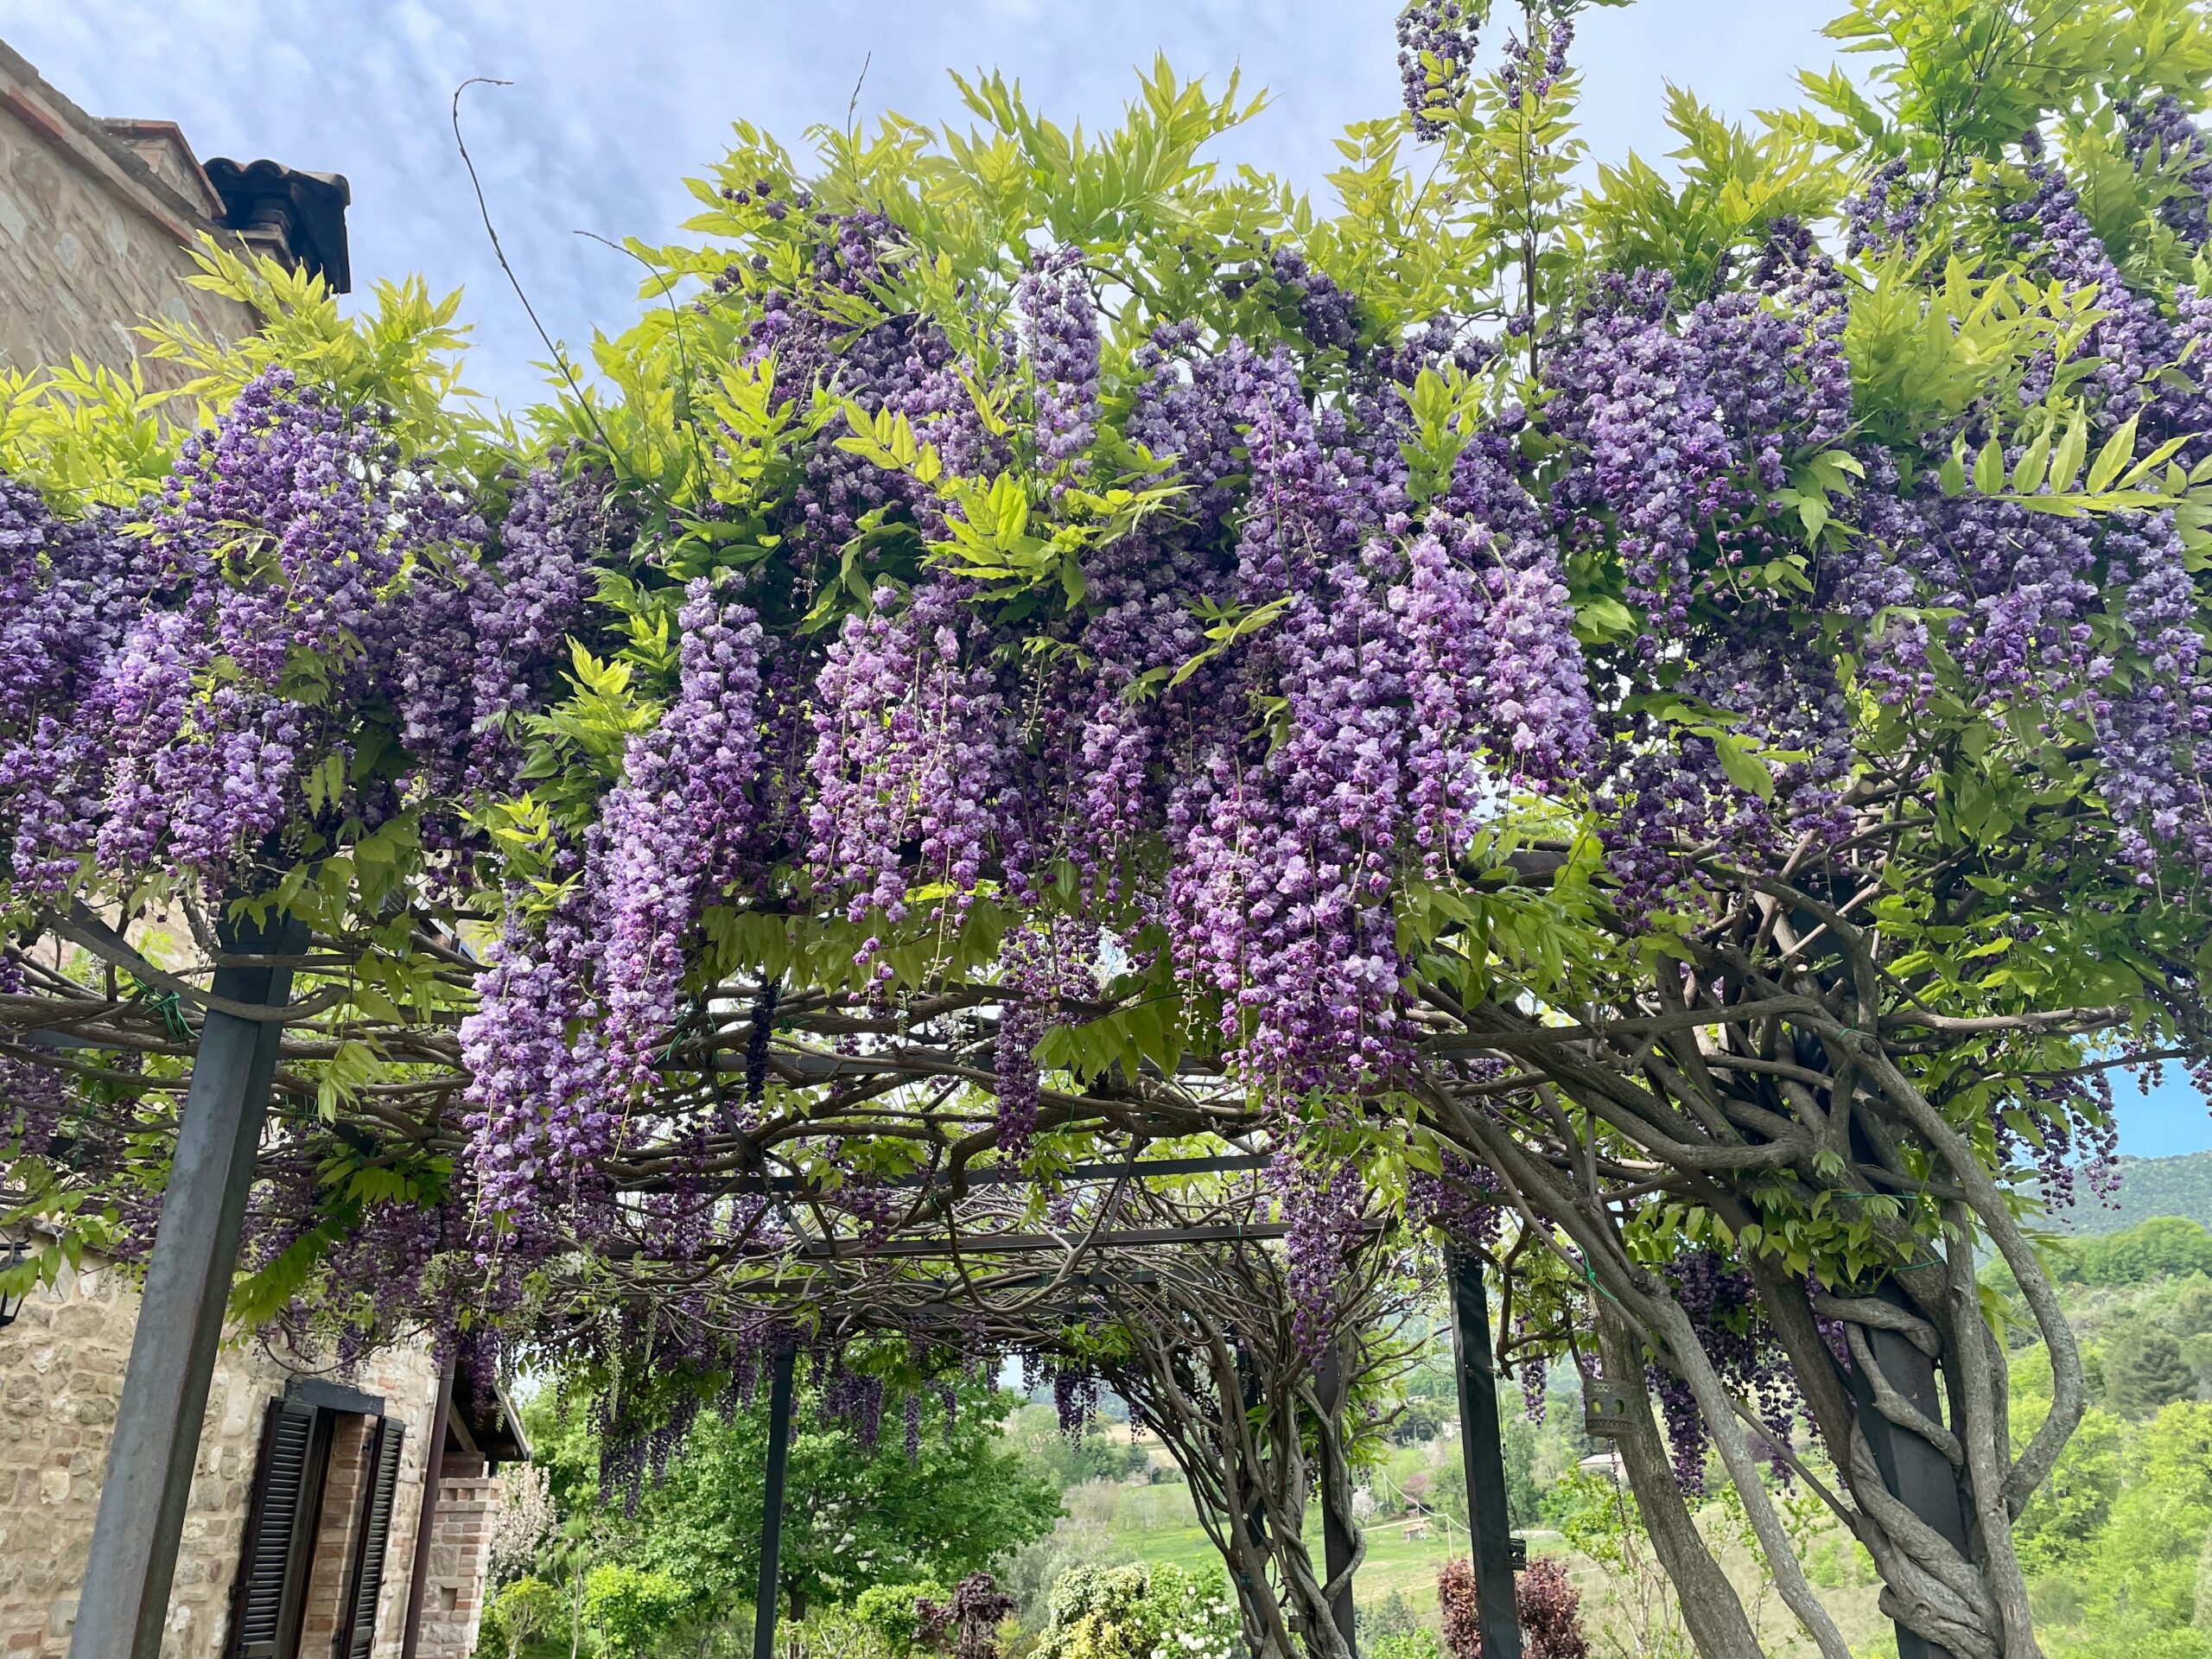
(280, 1532)
(357, 1629)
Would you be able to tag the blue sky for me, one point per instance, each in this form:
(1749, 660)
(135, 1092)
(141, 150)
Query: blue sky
(2161, 1121)
(613, 105)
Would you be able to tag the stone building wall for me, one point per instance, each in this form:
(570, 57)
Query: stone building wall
(61, 1366)
(92, 239)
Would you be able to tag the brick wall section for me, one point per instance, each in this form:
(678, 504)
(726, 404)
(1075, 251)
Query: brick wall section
(92, 241)
(61, 1367)
(453, 1603)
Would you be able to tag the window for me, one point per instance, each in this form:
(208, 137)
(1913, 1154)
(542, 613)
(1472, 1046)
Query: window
(280, 1529)
(357, 1627)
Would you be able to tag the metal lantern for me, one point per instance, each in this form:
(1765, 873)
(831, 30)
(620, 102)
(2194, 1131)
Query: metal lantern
(12, 1304)
(1604, 1408)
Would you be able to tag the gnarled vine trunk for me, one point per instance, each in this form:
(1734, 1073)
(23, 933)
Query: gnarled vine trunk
(1213, 1366)
(1774, 1100)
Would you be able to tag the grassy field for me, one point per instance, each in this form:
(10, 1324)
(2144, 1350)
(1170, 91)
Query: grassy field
(1627, 1619)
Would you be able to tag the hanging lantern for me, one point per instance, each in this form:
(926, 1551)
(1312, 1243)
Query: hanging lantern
(1604, 1408)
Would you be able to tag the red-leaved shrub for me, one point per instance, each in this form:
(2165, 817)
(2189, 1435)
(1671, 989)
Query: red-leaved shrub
(1549, 1606)
(1455, 1595)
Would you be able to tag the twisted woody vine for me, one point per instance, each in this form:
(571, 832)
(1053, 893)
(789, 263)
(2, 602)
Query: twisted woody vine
(1653, 729)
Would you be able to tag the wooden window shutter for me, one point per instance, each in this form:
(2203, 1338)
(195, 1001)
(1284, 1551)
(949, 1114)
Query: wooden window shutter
(279, 1545)
(357, 1622)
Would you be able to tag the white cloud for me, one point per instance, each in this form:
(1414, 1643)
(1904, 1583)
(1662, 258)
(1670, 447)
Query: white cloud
(613, 105)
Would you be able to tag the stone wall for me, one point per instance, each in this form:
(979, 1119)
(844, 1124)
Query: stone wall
(93, 240)
(61, 1367)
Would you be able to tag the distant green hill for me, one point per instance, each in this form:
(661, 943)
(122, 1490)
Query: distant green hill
(2149, 1187)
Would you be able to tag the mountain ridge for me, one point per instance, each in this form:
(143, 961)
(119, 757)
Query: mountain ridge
(2149, 1187)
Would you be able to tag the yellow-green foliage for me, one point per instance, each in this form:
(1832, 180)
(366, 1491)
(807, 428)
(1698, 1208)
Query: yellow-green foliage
(1138, 1611)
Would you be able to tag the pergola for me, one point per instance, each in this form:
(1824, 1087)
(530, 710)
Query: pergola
(952, 1238)
(962, 1254)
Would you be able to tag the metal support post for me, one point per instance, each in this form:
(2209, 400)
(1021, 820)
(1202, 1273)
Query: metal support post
(1917, 1475)
(1497, 1608)
(125, 1594)
(771, 1505)
(1340, 1543)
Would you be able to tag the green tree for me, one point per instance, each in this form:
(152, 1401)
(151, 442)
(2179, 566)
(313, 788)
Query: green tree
(2192, 1314)
(2063, 1520)
(1070, 1462)
(1523, 1503)
(2166, 1246)
(854, 1515)
(525, 1612)
(1422, 1418)
(2144, 1371)
(629, 1608)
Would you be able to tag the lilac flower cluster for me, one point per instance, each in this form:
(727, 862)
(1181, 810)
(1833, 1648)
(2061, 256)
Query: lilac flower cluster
(1558, 39)
(1026, 974)
(1886, 214)
(2159, 138)
(538, 588)
(910, 744)
(676, 830)
(1325, 1208)
(1683, 420)
(899, 363)
(1684, 426)
(571, 1024)
(2076, 1140)
(1724, 1309)
(1436, 58)
(2155, 725)
(1463, 1202)
(1060, 322)
(539, 1106)
(850, 1397)
(1326, 313)
(2131, 342)
(175, 673)
(2069, 619)
(1402, 679)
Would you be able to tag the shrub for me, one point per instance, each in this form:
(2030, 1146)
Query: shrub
(1416, 1643)
(889, 1611)
(1551, 1612)
(632, 1609)
(1549, 1605)
(968, 1623)
(521, 1613)
(1138, 1612)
